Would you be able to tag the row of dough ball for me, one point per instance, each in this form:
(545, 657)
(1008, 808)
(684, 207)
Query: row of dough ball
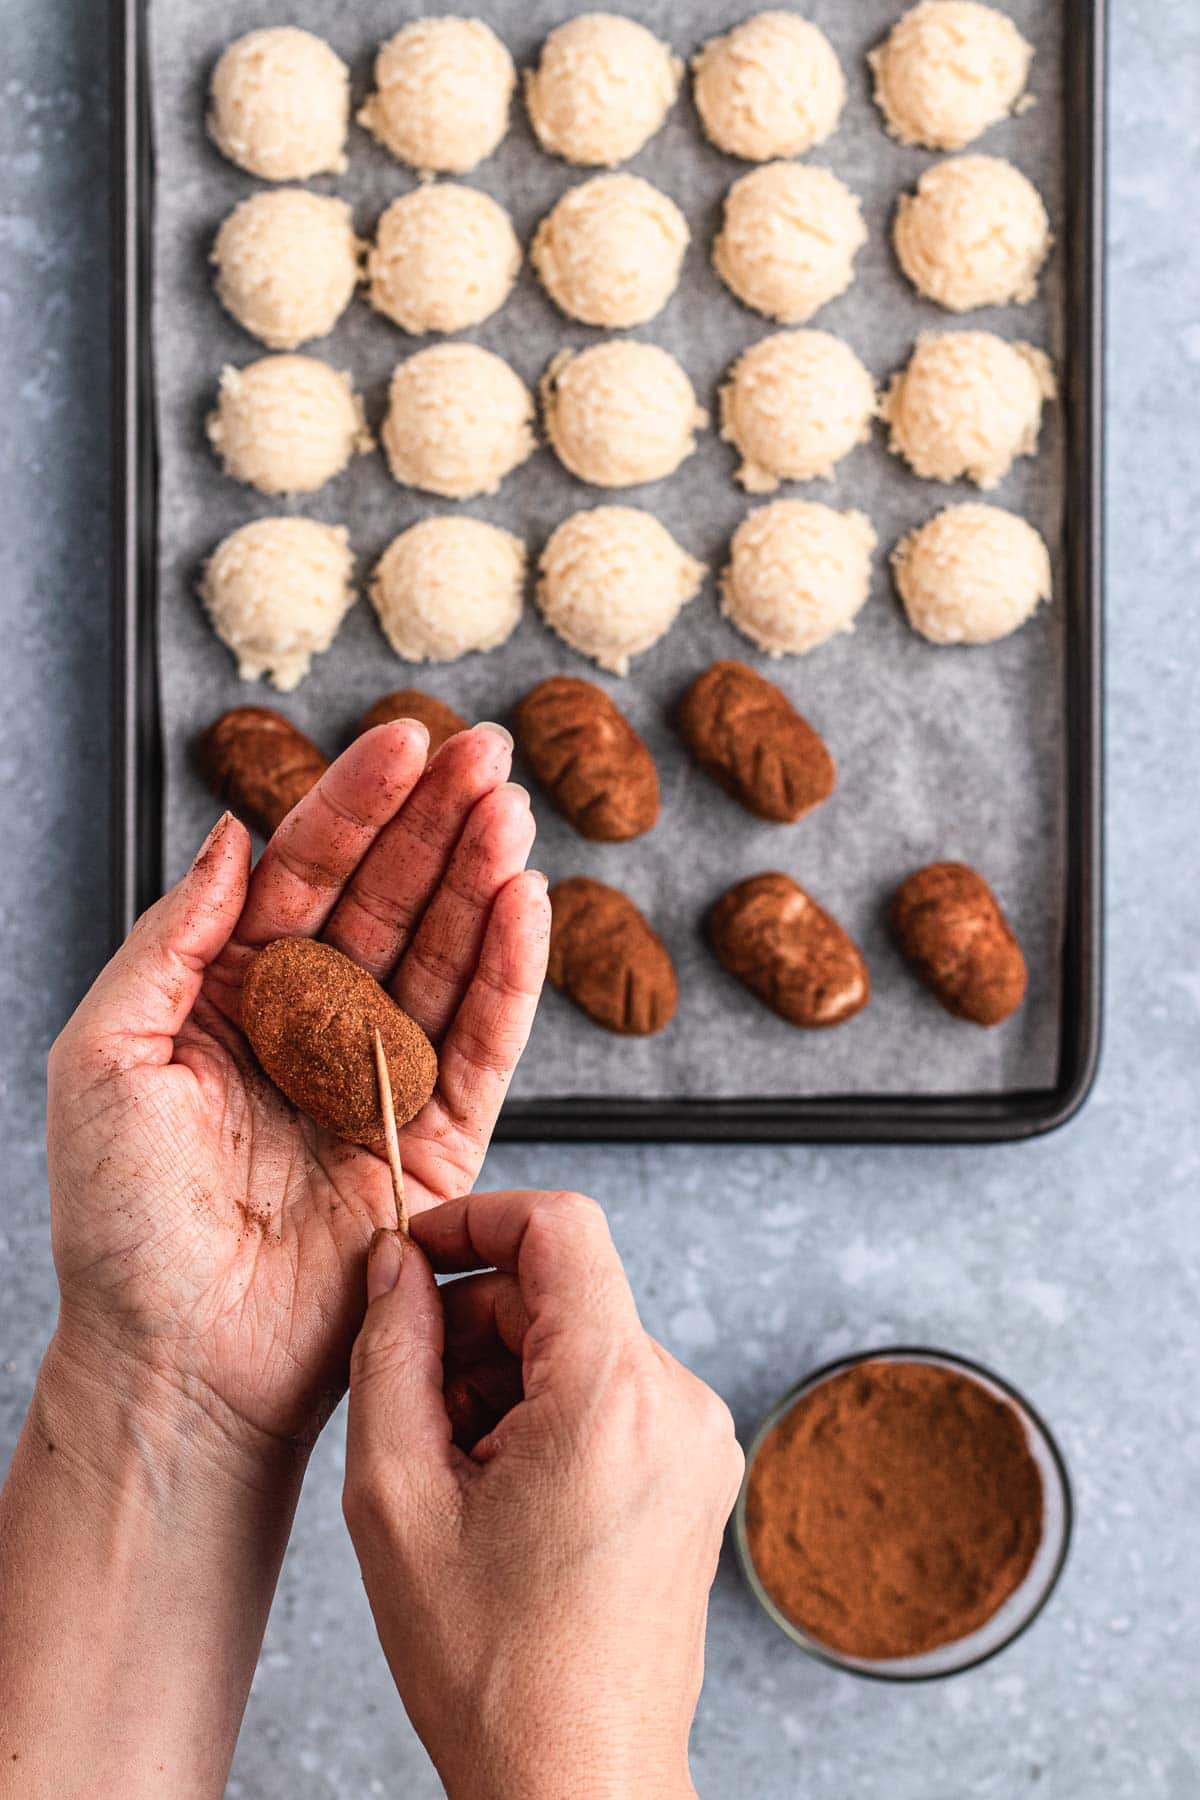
(624, 413)
(609, 253)
(771, 87)
(612, 581)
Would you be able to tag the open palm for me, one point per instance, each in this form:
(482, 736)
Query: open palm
(200, 1223)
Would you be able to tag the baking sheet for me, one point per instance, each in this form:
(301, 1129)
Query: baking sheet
(941, 752)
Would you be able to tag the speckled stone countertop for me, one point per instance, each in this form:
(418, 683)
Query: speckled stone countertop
(1072, 1265)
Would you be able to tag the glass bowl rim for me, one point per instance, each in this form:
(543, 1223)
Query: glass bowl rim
(896, 1353)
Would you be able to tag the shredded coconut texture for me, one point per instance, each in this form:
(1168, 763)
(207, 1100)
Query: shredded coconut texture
(770, 87)
(612, 581)
(798, 574)
(968, 404)
(280, 105)
(448, 586)
(443, 89)
(276, 592)
(287, 424)
(972, 575)
(788, 241)
(975, 233)
(609, 253)
(948, 70)
(603, 87)
(459, 420)
(287, 265)
(620, 413)
(795, 404)
(445, 257)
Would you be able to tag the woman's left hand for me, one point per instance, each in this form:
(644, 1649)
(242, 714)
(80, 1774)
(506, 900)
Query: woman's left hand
(205, 1232)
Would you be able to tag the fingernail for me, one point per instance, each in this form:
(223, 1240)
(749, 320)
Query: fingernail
(514, 787)
(385, 1259)
(417, 725)
(501, 731)
(212, 839)
(544, 880)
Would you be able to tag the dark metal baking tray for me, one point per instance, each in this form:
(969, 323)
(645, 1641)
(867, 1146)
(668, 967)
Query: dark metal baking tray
(966, 1117)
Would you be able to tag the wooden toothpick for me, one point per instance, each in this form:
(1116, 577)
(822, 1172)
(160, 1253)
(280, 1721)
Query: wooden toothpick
(391, 1141)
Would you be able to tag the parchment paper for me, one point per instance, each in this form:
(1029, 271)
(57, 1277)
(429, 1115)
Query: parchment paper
(941, 752)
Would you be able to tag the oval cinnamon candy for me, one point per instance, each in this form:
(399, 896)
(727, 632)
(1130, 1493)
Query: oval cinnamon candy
(259, 765)
(789, 952)
(440, 720)
(746, 734)
(606, 957)
(590, 759)
(310, 1015)
(950, 926)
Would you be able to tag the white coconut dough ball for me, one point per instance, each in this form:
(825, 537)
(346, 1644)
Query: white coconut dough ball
(609, 253)
(459, 420)
(443, 88)
(287, 265)
(788, 240)
(287, 424)
(947, 70)
(968, 404)
(971, 575)
(602, 88)
(620, 413)
(975, 233)
(770, 87)
(276, 592)
(612, 581)
(448, 586)
(445, 257)
(279, 105)
(793, 406)
(798, 574)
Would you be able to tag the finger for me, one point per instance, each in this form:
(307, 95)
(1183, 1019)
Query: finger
(321, 843)
(483, 1046)
(398, 1429)
(437, 967)
(484, 1315)
(558, 1246)
(375, 918)
(142, 998)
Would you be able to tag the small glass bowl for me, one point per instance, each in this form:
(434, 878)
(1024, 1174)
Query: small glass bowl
(1022, 1606)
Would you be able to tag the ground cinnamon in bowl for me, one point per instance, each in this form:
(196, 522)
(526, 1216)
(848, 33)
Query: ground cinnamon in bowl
(893, 1508)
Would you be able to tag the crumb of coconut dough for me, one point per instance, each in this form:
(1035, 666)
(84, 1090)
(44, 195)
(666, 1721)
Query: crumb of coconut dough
(276, 592)
(443, 89)
(771, 87)
(279, 105)
(788, 240)
(459, 420)
(602, 89)
(974, 234)
(609, 253)
(798, 574)
(612, 582)
(968, 404)
(794, 405)
(947, 71)
(971, 575)
(620, 414)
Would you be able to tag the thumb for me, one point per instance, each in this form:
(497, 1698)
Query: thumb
(148, 989)
(398, 1426)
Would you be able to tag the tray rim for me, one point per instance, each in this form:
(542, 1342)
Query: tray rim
(1006, 1116)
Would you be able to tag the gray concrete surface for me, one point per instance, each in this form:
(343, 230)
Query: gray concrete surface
(1072, 1264)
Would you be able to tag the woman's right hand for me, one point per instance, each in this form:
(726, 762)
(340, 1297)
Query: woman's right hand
(537, 1493)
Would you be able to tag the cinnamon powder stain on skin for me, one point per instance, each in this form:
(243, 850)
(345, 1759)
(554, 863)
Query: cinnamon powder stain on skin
(895, 1508)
